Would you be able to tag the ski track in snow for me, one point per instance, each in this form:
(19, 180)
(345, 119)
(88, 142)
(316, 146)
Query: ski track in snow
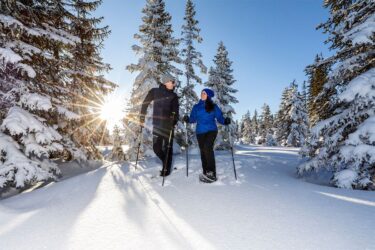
(117, 207)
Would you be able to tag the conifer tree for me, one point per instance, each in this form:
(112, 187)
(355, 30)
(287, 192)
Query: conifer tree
(191, 58)
(318, 97)
(158, 51)
(241, 127)
(298, 119)
(246, 136)
(283, 122)
(221, 81)
(117, 152)
(88, 83)
(304, 94)
(237, 134)
(38, 46)
(31, 36)
(292, 119)
(266, 124)
(255, 127)
(344, 142)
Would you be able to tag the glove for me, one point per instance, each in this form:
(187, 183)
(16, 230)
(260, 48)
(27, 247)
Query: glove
(227, 121)
(186, 119)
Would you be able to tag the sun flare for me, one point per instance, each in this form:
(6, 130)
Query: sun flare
(112, 111)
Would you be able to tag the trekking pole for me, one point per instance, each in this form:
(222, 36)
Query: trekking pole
(139, 146)
(168, 148)
(231, 147)
(187, 149)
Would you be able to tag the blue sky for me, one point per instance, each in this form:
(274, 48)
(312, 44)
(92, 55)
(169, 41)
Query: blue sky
(269, 41)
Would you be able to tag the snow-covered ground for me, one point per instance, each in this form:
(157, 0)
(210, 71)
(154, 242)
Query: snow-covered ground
(115, 207)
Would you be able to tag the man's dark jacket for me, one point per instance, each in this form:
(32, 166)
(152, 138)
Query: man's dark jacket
(165, 103)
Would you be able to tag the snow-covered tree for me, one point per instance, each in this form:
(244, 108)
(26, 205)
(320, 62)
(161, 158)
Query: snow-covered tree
(304, 93)
(265, 124)
(221, 81)
(158, 51)
(298, 119)
(255, 126)
(344, 143)
(191, 59)
(270, 140)
(283, 121)
(292, 119)
(240, 127)
(238, 130)
(246, 133)
(88, 85)
(36, 62)
(117, 152)
(29, 134)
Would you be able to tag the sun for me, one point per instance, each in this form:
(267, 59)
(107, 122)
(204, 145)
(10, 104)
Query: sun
(111, 111)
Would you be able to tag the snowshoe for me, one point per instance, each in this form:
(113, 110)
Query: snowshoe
(207, 178)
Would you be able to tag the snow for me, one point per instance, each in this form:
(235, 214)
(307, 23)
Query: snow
(116, 207)
(366, 129)
(50, 32)
(10, 21)
(9, 56)
(345, 178)
(67, 113)
(15, 166)
(28, 69)
(35, 101)
(19, 121)
(361, 86)
(363, 33)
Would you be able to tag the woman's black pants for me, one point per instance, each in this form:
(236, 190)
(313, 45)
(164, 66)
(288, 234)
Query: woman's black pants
(206, 145)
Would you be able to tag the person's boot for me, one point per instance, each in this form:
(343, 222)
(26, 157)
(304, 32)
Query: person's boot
(208, 177)
(211, 175)
(165, 173)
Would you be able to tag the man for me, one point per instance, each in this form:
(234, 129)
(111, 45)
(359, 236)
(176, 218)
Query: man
(165, 108)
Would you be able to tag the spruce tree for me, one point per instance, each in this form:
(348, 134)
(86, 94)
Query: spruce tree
(237, 129)
(283, 122)
(40, 104)
(241, 128)
(344, 142)
(246, 136)
(298, 119)
(158, 51)
(31, 41)
(190, 58)
(221, 81)
(318, 97)
(117, 152)
(255, 127)
(89, 86)
(292, 119)
(266, 124)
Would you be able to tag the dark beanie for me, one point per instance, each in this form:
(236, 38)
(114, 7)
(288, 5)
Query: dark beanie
(209, 92)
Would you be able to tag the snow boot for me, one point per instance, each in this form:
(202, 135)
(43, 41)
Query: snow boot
(209, 177)
(164, 173)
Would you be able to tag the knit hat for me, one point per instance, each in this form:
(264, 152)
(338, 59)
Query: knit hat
(166, 78)
(209, 92)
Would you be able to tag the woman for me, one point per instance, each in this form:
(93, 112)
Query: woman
(204, 114)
